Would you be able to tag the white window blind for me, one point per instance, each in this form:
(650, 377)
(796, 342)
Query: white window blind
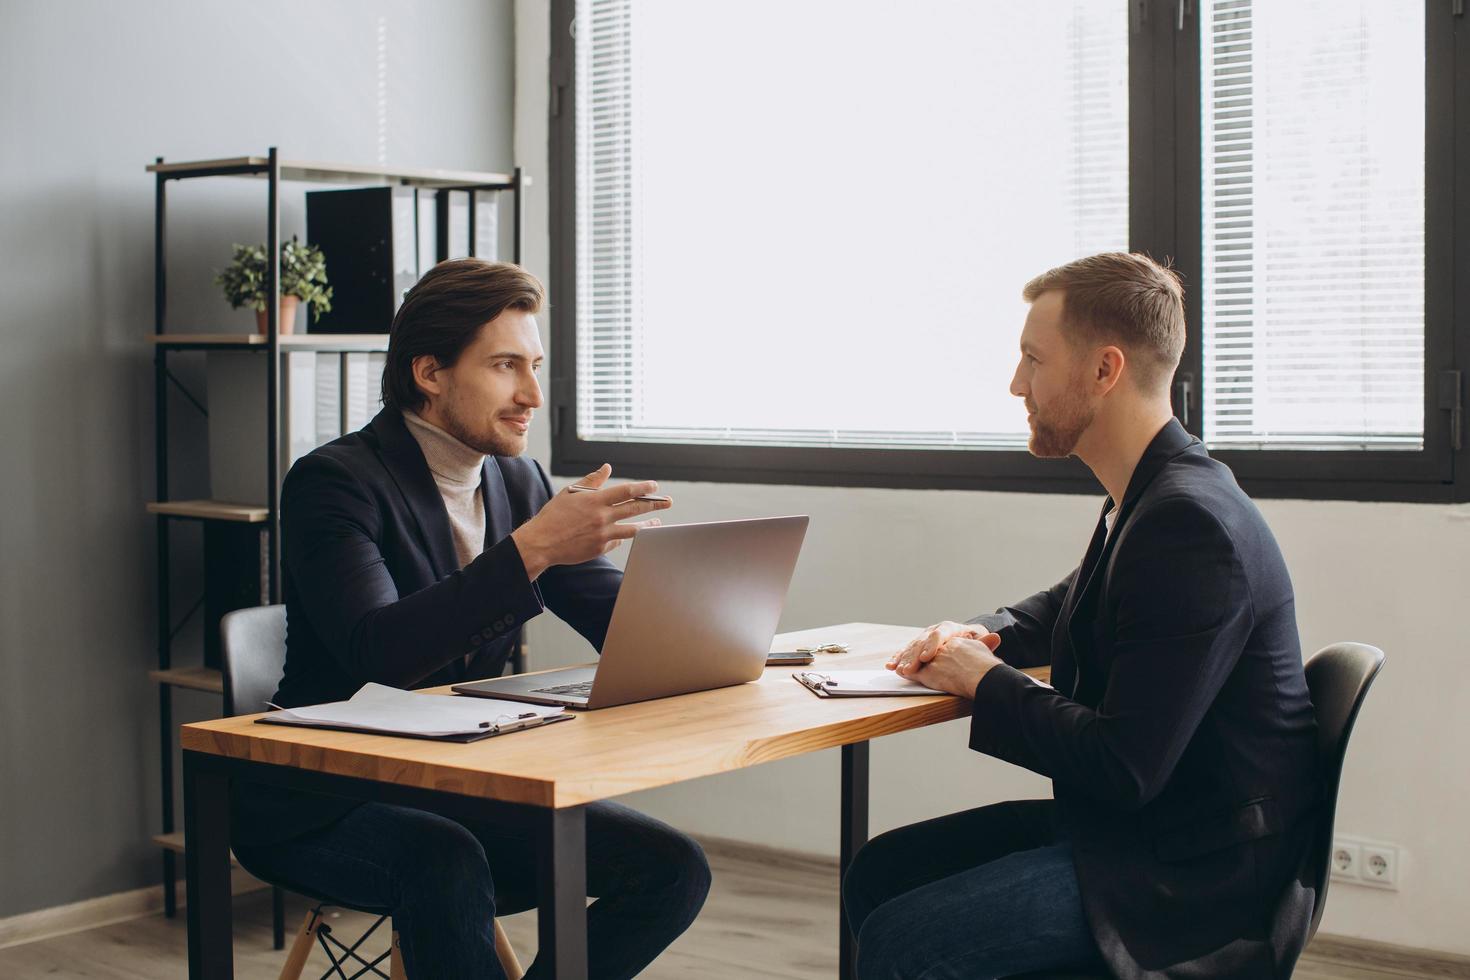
(809, 223)
(1313, 285)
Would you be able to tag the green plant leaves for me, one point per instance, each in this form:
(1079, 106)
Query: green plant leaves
(303, 274)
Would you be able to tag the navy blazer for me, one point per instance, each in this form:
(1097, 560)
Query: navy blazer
(374, 591)
(1179, 732)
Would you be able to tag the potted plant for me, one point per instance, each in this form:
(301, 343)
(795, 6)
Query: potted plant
(303, 278)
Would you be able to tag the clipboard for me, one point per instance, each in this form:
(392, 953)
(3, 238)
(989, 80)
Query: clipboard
(377, 709)
(504, 728)
(857, 684)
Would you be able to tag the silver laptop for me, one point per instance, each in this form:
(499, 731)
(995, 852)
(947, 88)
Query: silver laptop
(697, 610)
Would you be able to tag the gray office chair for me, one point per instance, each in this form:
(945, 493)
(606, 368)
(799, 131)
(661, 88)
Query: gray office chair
(253, 651)
(1338, 677)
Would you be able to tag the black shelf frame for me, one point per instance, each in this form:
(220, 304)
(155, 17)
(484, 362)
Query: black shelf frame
(270, 168)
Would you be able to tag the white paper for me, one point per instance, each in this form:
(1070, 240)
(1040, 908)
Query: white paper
(867, 682)
(387, 709)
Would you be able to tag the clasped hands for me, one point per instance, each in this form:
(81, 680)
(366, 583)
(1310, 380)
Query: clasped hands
(949, 657)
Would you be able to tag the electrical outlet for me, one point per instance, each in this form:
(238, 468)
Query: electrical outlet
(1363, 862)
(1347, 859)
(1380, 865)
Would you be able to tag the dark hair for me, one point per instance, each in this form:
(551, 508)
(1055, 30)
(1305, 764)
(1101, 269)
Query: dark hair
(443, 313)
(1122, 298)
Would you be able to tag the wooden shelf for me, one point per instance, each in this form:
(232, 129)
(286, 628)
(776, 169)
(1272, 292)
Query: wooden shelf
(210, 510)
(194, 678)
(258, 341)
(175, 842)
(320, 172)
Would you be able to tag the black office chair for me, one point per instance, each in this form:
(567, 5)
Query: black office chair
(1338, 677)
(253, 648)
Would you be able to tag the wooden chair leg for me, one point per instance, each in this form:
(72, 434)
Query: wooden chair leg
(507, 955)
(301, 946)
(508, 961)
(395, 961)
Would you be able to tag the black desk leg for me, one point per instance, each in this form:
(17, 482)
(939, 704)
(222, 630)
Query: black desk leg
(854, 836)
(207, 867)
(561, 859)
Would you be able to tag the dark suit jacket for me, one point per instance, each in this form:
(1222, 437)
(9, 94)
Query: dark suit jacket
(1180, 735)
(374, 592)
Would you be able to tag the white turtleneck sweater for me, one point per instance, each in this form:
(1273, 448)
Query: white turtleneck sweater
(457, 473)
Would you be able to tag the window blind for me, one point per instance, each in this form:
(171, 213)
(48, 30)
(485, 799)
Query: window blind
(809, 224)
(1313, 194)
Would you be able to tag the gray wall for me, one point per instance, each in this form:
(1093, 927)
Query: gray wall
(90, 92)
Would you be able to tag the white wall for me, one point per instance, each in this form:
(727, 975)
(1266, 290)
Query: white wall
(1389, 574)
(90, 92)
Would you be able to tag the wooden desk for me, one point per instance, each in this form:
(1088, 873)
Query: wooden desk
(543, 778)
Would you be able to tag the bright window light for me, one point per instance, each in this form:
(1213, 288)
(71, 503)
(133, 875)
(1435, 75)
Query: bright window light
(1313, 143)
(809, 223)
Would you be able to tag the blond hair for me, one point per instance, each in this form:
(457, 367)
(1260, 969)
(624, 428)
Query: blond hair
(1124, 299)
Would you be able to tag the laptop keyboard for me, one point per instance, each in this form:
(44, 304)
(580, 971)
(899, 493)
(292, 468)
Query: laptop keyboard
(580, 690)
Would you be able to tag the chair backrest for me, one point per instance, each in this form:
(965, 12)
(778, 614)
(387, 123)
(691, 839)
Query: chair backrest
(1339, 677)
(253, 651)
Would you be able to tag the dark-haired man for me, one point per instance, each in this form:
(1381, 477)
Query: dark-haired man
(414, 550)
(1178, 733)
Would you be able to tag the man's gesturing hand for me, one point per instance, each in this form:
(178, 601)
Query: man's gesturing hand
(577, 527)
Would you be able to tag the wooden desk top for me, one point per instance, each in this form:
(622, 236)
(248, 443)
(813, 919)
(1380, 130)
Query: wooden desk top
(613, 751)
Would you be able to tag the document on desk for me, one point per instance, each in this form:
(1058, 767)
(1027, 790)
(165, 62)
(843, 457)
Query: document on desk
(385, 710)
(859, 684)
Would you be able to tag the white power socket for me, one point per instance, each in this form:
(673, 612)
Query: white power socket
(1380, 866)
(1365, 863)
(1347, 858)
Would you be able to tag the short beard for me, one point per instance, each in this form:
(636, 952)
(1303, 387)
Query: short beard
(1056, 436)
(488, 443)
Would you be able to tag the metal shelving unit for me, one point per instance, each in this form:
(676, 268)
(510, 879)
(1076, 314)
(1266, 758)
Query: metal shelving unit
(274, 170)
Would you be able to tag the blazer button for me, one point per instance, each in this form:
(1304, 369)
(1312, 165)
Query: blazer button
(487, 633)
(475, 640)
(499, 628)
(510, 620)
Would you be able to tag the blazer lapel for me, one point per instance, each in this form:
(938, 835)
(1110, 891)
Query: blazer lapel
(1065, 667)
(1170, 441)
(405, 464)
(497, 503)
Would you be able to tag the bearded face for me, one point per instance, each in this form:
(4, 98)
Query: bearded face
(1052, 380)
(1057, 426)
(487, 398)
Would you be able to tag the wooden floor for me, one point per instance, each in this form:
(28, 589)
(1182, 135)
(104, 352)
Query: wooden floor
(767, 916)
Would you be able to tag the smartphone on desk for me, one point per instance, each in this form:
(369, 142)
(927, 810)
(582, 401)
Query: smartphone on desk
(788, 658)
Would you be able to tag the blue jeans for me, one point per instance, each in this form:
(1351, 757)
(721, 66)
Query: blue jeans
(434, 876)
(976, 895)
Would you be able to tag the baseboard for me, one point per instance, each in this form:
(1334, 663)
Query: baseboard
(92, 913)
(1363, 953)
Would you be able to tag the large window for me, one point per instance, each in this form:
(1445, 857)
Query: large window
(774, 243)
(797, 232)
(1313, 179)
